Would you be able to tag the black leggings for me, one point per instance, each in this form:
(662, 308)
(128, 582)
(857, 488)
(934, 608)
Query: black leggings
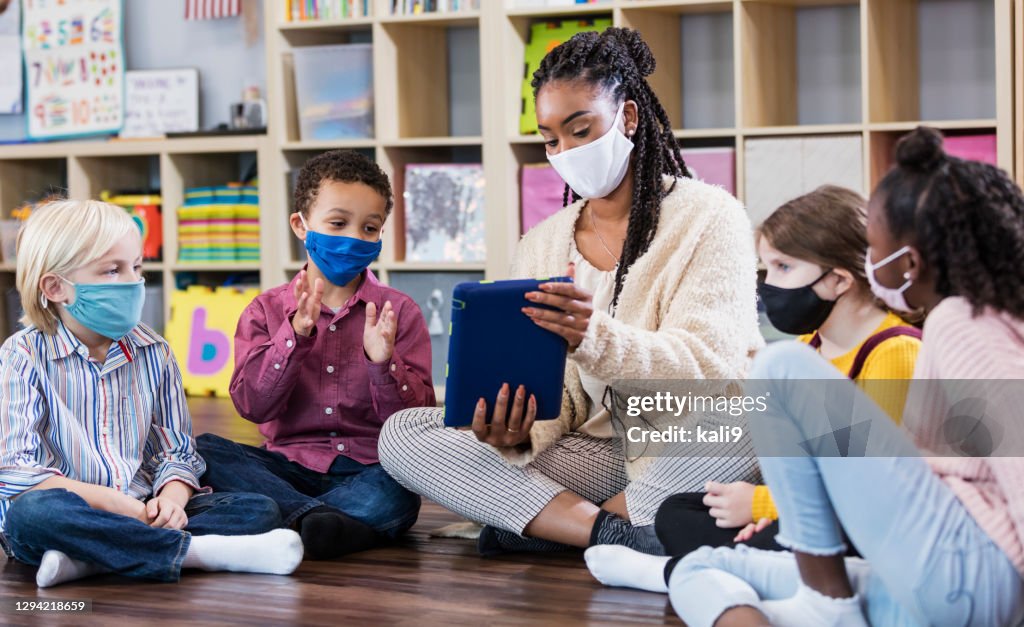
(684, 524)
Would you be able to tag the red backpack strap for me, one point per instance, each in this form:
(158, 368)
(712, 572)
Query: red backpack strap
(815, 342)
(872, 343)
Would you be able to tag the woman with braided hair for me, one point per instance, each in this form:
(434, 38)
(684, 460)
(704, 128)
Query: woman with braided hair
(665, 288)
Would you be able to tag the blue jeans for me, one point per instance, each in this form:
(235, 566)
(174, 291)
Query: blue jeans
(364, 492)
(926, 560)
(44, 520)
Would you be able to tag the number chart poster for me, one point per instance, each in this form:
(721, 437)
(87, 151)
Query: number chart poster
(74, 67)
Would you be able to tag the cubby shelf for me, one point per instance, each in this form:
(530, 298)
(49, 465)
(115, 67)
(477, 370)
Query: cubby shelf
(83, 169)
(731, 73)
(414, 266)
(321, 146)
(800, 130)
(456, 18)
(354, 23)
(596, 8)
(215, 267)
(946, 125)
(428, 142)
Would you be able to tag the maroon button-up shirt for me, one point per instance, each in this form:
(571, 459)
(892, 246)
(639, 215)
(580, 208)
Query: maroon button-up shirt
(318, 397)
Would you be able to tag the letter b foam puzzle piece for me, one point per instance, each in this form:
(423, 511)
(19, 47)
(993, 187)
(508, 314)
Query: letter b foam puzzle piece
(200, 332)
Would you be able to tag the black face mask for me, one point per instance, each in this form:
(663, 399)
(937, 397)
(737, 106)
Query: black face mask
(795, 310)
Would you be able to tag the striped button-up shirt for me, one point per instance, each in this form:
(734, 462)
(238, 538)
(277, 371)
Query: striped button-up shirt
(123, 424)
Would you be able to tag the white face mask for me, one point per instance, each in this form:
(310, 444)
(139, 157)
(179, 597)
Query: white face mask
(892, 297)
(594, 170)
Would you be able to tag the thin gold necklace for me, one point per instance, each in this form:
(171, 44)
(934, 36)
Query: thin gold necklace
(593, 225)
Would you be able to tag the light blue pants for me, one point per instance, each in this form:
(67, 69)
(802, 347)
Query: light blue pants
(927, 561)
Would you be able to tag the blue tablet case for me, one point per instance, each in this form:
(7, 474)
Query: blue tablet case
(493, 342)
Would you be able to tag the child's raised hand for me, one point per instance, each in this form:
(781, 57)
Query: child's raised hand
(309, 303)
(165, 513)
(731, 503)
(379, 332)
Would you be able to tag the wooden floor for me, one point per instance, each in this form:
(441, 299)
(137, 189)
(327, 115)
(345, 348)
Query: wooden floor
(419, 581)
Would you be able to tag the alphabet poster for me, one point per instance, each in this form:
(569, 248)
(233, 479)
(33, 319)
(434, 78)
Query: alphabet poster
(74, 67)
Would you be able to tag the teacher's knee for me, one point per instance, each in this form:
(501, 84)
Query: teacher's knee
(402, 435)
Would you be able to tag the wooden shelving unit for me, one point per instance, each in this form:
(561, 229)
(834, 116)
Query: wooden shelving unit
(730, 72)
(84, 169)
(798, 69)
(412, 122)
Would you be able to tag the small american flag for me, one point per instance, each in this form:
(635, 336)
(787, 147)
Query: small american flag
(212, 9)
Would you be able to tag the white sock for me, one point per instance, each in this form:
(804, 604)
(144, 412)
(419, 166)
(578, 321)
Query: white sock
(56, 568)
(276, 552)
(810, 608)
(620, 566)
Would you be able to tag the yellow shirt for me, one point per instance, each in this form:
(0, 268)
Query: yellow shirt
(891, 362)
(885, 377)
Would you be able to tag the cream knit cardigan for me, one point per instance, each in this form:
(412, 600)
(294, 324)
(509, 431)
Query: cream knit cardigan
(687, 310)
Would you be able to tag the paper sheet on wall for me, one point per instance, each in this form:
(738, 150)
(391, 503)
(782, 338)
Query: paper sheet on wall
(74, 67)
(161, 101)
(10, 57)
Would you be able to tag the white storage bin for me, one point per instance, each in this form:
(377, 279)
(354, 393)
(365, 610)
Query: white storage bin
(334, 91)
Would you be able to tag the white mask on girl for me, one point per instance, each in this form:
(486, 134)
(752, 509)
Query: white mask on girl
(892, 297)
(594, 170)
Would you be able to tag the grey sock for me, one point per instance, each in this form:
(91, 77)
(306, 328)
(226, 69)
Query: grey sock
(610, 529)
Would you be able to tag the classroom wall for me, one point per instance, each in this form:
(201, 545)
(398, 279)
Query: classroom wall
(157, 37)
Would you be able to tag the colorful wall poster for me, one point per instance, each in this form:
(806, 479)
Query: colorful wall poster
(74, 67)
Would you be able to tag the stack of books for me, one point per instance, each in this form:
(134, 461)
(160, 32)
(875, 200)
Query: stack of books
(417, 7)
(219, 225)
(325, 10)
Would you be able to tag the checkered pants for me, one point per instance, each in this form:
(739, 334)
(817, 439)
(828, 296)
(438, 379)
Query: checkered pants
(452, 468)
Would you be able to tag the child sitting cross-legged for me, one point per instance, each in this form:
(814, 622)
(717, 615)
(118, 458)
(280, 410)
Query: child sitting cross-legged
(98, 467)
(320, 364)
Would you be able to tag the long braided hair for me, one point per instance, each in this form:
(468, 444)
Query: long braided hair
(967, 219)
(619, 60)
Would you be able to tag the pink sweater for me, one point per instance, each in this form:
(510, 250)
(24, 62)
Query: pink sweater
(959, 346)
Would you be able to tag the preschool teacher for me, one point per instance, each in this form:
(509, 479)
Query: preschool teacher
(665, 288)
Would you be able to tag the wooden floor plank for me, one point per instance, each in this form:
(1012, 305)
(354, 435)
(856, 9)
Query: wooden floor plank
(417, 581)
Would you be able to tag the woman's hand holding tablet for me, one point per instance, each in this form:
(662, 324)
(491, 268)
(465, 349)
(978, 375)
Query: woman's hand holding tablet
(504, 432)
(575, 306)
(494, 345)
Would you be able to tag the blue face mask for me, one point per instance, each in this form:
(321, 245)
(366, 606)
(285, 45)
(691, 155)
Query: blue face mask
(340, 258)
(108, 309)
